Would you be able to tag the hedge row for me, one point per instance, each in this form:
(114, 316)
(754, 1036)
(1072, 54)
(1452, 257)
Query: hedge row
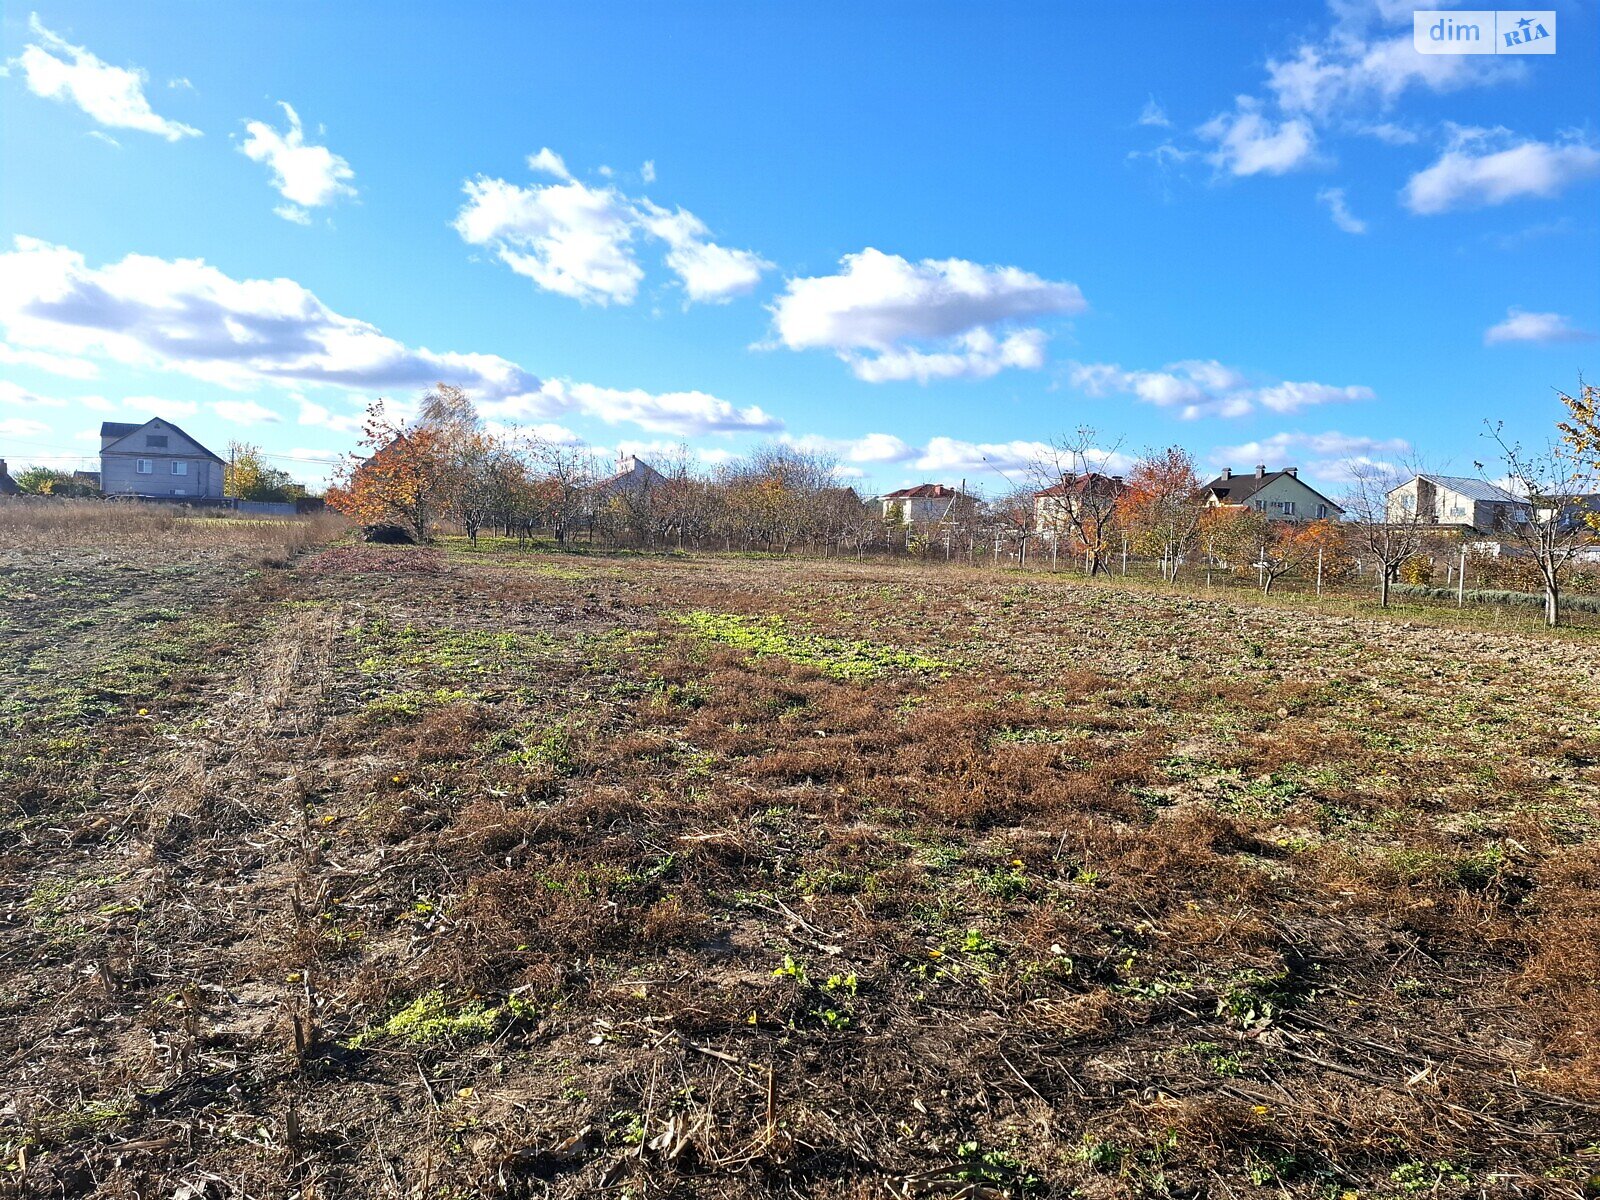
(1584, 604)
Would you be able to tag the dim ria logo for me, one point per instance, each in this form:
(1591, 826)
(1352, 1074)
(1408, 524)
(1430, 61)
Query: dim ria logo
(1460, 31)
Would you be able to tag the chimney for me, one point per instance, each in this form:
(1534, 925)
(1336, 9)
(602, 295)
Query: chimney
(1261, 469)
(1227, 472)
(626, 463)
(2, 466)
(1292, 472)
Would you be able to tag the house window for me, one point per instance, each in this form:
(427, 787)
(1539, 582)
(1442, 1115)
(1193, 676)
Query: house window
(1322, 511)
(1288, 508)
(145, 466)
(179, 492)
(156, 441)
(1261, 506)
(180, 468)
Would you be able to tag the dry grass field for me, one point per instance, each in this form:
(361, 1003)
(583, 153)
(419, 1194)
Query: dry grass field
(387, 872)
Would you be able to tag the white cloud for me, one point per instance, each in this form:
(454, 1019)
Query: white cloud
(245, 412)
(1546, 327)
(1154, 114)
(648, 171)
(1251, 143)
(1345, 75)
(685, 414)
(1325, 455)
(710, 273)
(578, 241)
(14, 393)
(1339, 210)
(875, 311)
(1470, 174)
(113, 96)
(548, 162)
(568, 238)
(56, 364)
(305, 175)
(1289, 397)
(159, 406)
(185, 315)
(682, 414)
(312, 413)
(1199, 388)
(22, 427)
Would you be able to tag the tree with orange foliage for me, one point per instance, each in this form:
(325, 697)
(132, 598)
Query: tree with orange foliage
(1289, 545)
(1229, 535)
(1161, 506)
(402, 481)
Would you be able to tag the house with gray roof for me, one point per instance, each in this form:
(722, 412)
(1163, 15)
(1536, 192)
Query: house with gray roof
(1460, 500)
(157, 461)
(1277, 495)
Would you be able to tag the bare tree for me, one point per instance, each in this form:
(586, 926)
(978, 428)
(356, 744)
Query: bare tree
(1386, 531)
(1557, 483)
(1077, 499)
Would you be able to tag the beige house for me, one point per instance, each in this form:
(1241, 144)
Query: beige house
(1457, 500)
(1277, 495)
(1057, 507)
(926, 504)
(157, 461)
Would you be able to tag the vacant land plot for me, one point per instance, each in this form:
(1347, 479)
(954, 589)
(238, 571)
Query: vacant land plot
(415, 873)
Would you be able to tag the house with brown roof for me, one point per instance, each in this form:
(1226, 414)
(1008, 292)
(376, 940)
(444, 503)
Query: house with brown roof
(1056, 507)
(926, 504)
(157, 461)
(1277, 495)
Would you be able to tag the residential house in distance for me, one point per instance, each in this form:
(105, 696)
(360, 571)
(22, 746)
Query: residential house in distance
(926, 504)
(157, 461)
(1277, 495)
(8, 485)
(1472, 505)
(633, 475)
(1055, 507)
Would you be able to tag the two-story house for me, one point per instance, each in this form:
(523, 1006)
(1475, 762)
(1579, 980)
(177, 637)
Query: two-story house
(157, 461)
(1457, 500)
(1076, 501)
(1277, 495)
(926, 504)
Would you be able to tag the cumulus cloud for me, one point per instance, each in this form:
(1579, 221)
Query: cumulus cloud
(1339, 209)
(1345, 75)
(936, 319)
(1485, 167)
(548, 162)
(307, 176)
(579, 241)
(1251, 143)
(114, 96)
(568, 238)
(681, 414)
(1545, 328)
(1327, 456)
(710, 273)
(1200, 388)
(245, 412)
(188, 316)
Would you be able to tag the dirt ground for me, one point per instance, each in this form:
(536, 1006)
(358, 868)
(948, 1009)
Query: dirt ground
(450, 873)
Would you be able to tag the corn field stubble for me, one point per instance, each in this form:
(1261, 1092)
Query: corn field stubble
(408, 873)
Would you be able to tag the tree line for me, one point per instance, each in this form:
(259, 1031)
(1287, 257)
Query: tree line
(448, 467)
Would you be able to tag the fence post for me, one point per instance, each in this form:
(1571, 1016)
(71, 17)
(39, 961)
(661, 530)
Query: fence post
(1319, 570)
(1461, 579)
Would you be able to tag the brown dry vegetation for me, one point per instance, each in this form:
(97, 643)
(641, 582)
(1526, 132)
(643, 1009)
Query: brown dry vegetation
(490, 874)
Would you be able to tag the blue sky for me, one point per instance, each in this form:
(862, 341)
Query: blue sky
(927, 238)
